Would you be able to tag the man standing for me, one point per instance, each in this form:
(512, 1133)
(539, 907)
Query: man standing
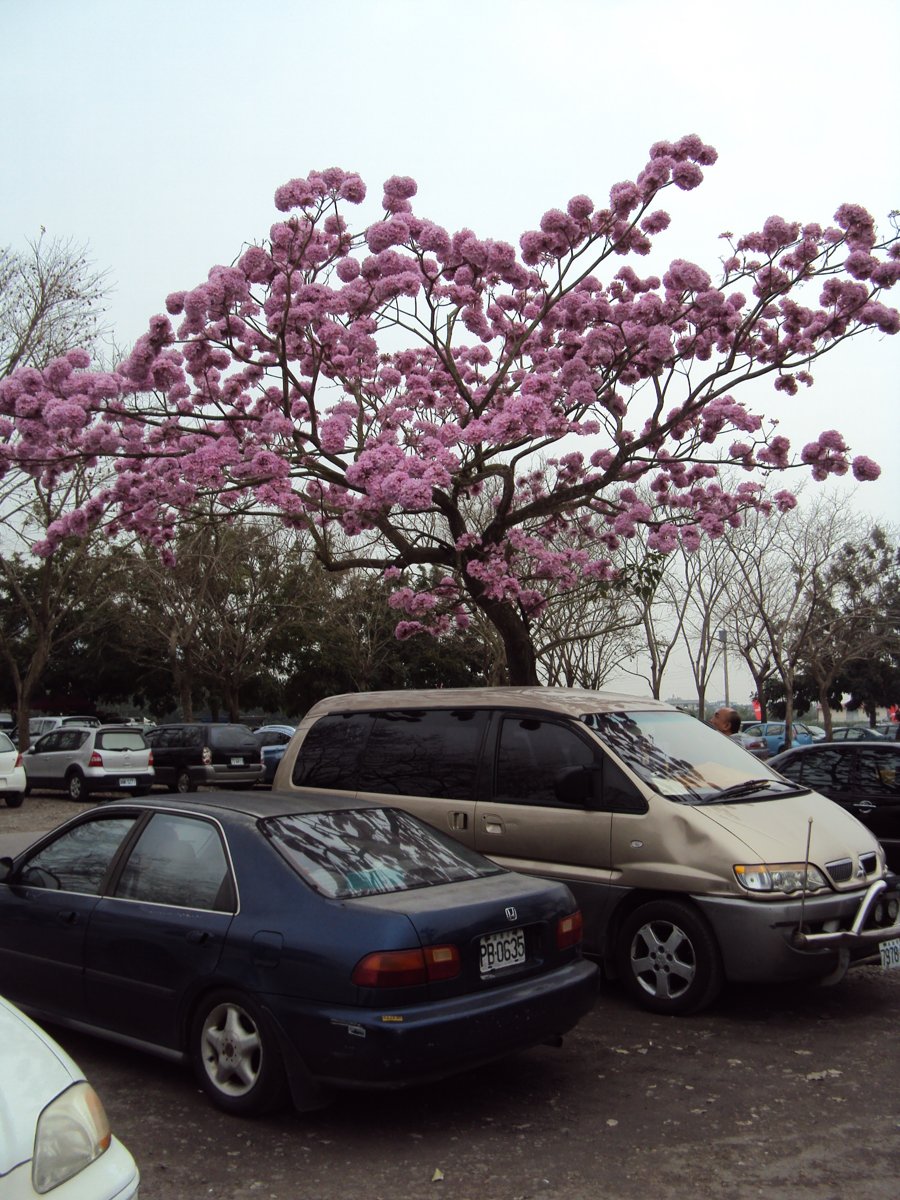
(726, 720)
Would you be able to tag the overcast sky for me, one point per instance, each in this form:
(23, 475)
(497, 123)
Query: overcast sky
(157, 132)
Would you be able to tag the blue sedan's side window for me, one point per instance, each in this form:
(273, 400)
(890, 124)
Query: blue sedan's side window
(78, 860)
(179, 861)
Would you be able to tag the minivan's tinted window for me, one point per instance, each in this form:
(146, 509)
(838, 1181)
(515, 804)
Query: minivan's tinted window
(330, 752)
(531, 756)
(419, 752)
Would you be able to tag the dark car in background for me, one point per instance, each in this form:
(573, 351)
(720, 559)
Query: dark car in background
(286, 944)
(863, 777)
(216, 754)
(856, 733)
(105, 758)
(272, 740)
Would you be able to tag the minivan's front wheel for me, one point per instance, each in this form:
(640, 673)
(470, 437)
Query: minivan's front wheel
(236, 1056)
(668, 958)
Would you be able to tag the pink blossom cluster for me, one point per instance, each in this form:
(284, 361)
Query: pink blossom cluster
(483, 410)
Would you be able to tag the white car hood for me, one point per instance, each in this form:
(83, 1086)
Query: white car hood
(33, 1071)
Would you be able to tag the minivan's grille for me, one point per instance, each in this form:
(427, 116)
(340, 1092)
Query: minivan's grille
(869, 862)
(841, 870)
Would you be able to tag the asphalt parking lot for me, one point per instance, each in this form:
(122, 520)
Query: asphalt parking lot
(788, 1092)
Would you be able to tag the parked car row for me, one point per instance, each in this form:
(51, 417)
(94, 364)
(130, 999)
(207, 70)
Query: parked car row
(80, 760)
(80, 756)
(418, 892)
(693, 862)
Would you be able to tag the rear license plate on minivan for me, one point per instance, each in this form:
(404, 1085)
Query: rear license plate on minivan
(504, 949)
(127, 781)
(890, 953)
(237, 762)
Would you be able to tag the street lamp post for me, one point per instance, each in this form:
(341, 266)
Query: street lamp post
(723, 638)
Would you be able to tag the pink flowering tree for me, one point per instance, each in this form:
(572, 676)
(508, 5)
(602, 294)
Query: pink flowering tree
(472, 420)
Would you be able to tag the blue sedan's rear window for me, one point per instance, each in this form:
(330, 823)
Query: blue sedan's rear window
(370, 851)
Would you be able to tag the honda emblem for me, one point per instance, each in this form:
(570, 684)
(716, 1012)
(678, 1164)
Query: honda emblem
(511, 914)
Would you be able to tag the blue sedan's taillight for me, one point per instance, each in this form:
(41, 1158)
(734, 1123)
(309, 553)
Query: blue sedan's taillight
(407, 968)
(569, 930)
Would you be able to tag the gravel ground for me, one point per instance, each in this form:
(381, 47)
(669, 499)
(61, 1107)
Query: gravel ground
(39, 813)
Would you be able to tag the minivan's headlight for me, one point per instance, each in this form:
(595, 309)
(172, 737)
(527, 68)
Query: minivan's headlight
(71, 1132)
(779, 877)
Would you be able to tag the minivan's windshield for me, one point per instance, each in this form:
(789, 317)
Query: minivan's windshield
(683, 759)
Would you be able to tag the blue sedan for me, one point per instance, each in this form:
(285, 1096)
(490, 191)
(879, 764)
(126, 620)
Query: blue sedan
(774, 735)
(285, 946)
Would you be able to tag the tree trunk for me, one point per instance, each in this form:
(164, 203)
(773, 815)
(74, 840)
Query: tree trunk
(788, 717)
(827, 719)
(25, 685)
(521, 662)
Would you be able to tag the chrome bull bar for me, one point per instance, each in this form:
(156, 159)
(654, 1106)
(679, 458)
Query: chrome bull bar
(855, 935)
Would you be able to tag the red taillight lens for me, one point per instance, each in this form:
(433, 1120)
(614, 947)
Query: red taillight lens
(406, 968)
(150, 758)
(568, 930)
(96, 759)
(18, 760)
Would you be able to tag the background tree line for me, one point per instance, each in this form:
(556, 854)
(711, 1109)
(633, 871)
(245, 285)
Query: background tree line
(246, 619)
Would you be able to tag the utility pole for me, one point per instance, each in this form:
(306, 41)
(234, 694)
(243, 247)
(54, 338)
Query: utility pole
(723, 638)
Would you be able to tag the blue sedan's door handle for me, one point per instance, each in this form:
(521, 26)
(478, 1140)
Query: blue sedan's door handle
(67, 917)
(197, 937)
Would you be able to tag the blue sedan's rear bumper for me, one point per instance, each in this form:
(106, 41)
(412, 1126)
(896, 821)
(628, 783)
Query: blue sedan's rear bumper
(392, 1047)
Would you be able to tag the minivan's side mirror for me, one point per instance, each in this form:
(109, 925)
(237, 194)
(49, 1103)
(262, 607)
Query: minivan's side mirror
(576, 786)
(6, 866)
(604, 787)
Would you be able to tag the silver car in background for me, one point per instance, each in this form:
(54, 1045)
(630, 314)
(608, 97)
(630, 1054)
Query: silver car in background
(79, 761)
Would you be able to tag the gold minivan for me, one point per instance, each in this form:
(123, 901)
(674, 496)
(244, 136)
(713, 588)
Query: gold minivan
(692, 861)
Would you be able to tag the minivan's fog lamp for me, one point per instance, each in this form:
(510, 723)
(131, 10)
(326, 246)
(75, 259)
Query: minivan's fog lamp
(779, 877)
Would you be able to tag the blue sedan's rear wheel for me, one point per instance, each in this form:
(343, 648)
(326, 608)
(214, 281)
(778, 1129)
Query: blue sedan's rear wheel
(236, 1055)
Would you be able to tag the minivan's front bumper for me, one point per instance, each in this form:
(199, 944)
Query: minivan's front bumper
(793, 938)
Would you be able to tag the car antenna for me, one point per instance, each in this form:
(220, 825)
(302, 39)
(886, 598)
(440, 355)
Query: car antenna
(805, 872)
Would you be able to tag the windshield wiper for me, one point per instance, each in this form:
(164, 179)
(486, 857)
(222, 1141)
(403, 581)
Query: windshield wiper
(747, 788)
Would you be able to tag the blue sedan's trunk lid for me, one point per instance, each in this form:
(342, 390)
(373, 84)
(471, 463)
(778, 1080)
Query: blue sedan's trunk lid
(504, 926)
